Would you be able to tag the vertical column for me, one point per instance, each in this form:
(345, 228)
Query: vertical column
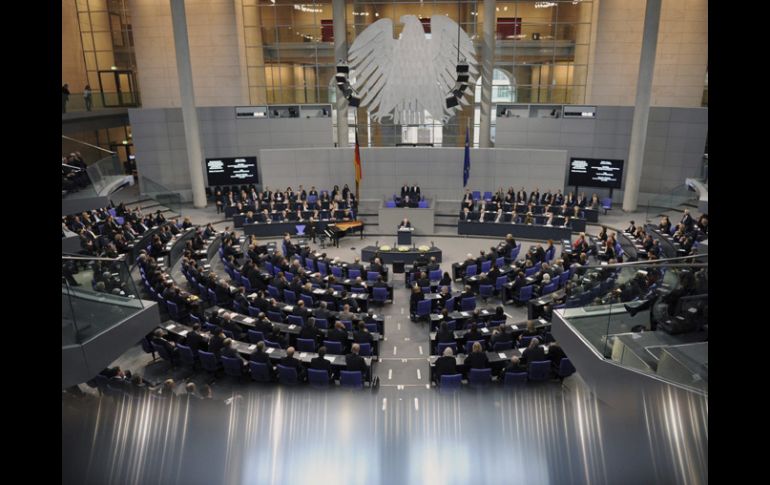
(340, 54)
(487, 67)
(642, 106)
(187, 94)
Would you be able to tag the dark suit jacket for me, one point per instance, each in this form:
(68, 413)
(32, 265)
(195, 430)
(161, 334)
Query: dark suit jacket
(532, 355)
(215, 344)
(319, 363)
(356, 362)
(337, 335)
(232, 353)
(310, 333)
(477, 360)
(291, 362)
(196, 342)
(445, 366)
(362, 337)
(449, 336)
(261, 357)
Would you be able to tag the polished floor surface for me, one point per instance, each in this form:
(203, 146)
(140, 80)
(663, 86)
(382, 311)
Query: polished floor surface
(545, 434)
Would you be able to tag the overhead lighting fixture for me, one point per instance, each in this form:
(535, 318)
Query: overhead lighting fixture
(545, 4)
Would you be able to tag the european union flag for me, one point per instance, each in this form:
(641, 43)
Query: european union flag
(467, 163)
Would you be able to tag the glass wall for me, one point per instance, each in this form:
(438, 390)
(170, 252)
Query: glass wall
(649, 316)
(97, 293)
(541, 57)
(108, 50)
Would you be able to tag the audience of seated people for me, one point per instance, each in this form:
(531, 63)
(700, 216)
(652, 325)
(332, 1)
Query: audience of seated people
(288, 206)
(73, 172)
(522, 208)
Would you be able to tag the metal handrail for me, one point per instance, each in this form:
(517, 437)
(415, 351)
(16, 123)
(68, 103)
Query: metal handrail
(89, 145)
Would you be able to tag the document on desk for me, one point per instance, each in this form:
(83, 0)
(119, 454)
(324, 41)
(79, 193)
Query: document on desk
(184, 332)
(288, 308)
(330, 358)
(269, 350)
(252, 347)
(515, 327)
(248, 320)
(502, 355)
(484, 330)
(302, 355)
(292, 326)
(170, 327)
(465, 314)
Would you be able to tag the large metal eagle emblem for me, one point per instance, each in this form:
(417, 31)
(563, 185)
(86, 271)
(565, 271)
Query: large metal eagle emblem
(402, 78)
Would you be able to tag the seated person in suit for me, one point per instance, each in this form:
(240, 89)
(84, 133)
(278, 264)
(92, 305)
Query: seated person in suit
(346, 314)
(446, 280)
(301, 311)
(217, 341)
(473, 334)
(405, 223)
(310, 332)
(500, 335)
(376, 265)
(361, 335)
(277, 337)
(477, 359)
(259, 354)
(229, 351)
(159, 339)
(555, 354)
(514, 365)
(320, 363)
(291, 361)
(338, 334)
(227, 323)
(195, 340)
(533, 353)
(444, 335)
(322, 312)
(354, 362)
(445, 365)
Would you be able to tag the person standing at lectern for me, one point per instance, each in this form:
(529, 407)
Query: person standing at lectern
(405, 223)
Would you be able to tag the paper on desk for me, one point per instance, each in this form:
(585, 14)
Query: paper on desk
(465, 314)
(484, 330)
(170, 327)
(184, 332)
(292, 326)
(302, 355)
(248, 320)
(288, 308)
(502, 355)
(252, 347)
(515, 327)
(330, 358)
(269, 350)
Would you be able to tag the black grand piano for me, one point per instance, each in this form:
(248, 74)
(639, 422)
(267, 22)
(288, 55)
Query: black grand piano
(342, 229)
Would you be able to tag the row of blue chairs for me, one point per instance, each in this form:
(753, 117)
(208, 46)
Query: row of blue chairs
(538, 371)
(498, 347)
(259, 372)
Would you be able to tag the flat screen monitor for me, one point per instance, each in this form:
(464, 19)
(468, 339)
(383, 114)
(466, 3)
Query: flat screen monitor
(595, 172)
(231, 171)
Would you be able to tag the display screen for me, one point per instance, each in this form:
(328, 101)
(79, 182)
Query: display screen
(232, 171)
(595, 172)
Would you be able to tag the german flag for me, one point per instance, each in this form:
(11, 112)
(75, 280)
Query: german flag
(357, 161)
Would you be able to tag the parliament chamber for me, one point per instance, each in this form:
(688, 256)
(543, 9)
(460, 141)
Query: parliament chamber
(378, 242)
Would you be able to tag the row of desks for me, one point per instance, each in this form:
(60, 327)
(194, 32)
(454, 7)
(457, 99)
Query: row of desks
(246, 349)
(519, 231)
(486, 332)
